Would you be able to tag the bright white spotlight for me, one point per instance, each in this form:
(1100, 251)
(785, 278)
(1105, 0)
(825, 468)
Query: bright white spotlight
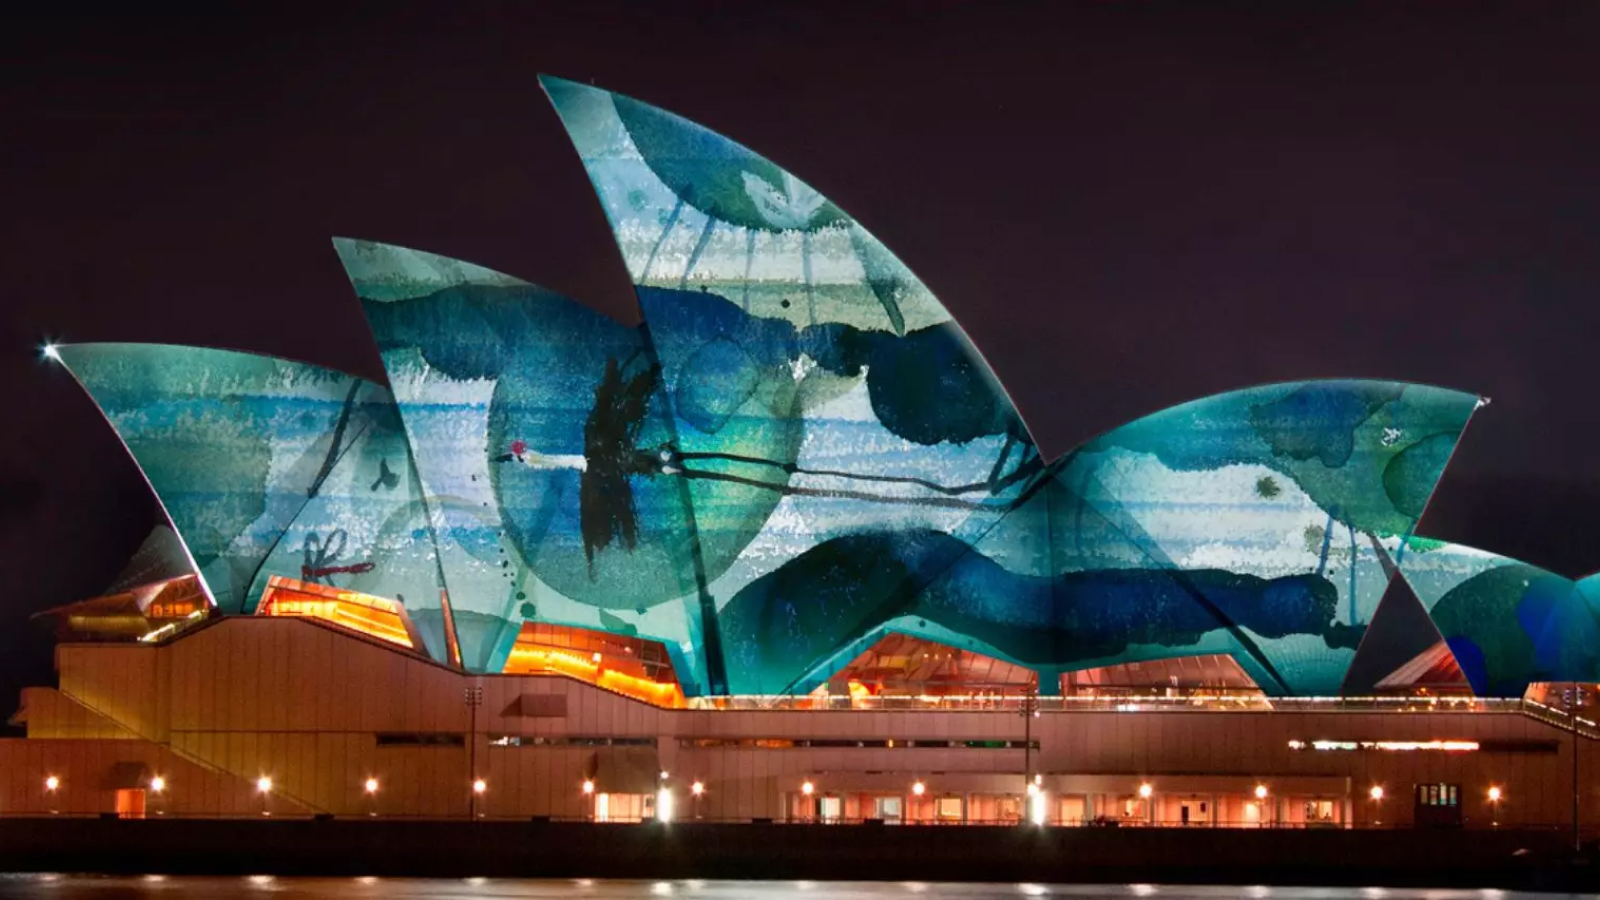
(264, 784)
(49, 351)
(158, 784)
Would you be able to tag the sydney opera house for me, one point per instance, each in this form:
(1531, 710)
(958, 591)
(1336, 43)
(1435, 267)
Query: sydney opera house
(783, 551)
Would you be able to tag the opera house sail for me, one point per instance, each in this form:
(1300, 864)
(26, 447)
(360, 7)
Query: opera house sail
(793, 483)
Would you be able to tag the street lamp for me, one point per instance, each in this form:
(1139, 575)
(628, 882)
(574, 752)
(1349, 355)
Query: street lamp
(472, 698)
(695, 790)
(664, 805)
(1377, 803)
(1036, 809)
(588, 786)
(1261, 792)
(918, 789)
(1029, 711)
(264, 788)
(158, 784)
(1494, 805)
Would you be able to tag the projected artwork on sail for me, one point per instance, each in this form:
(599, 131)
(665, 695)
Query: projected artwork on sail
(272, 467)
(796, 452)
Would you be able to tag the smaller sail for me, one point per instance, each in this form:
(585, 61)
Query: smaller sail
(269, 467)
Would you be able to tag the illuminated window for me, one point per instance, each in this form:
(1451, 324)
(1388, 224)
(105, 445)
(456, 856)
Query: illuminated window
(917, 669)
(1438, 795)
(629, 666)
(1319, 811)
(375, 617)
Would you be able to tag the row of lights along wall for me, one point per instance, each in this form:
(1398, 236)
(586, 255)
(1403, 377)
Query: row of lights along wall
(1146, 791)
(1036, 794)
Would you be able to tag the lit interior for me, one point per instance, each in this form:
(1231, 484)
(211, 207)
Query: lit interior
(900, 665)
(150, 612)
(375, 617)
(1210, 675)
(1433, 671)
(629, 666)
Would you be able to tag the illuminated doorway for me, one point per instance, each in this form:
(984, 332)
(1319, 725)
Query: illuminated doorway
(130, 803)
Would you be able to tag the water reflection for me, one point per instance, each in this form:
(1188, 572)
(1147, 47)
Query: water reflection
(88, 887)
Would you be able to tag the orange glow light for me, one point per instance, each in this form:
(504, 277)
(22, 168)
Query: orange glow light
(526, 659)
(375, 617)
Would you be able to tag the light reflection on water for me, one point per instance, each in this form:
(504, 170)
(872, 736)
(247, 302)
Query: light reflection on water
(257, 887)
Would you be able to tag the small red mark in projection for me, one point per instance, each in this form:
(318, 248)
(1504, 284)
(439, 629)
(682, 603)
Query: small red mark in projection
(519, 447)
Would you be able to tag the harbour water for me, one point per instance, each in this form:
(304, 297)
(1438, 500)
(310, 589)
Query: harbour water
(262, 887)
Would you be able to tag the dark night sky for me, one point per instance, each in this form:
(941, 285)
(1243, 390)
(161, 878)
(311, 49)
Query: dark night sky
(1127, 206)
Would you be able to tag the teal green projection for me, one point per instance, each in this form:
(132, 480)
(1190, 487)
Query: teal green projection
(271, 467)
(797, 451)
(1508, 623)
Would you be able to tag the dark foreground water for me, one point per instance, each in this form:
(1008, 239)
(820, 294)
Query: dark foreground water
(262, 887)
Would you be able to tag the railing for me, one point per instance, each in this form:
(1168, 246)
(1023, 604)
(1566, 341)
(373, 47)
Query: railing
(1130, 703)
(1559, 718)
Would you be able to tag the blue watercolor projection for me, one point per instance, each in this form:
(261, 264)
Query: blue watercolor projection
(1260, 523)
(271, 467)
(794, 452)
(1508, 623)
(538, 428)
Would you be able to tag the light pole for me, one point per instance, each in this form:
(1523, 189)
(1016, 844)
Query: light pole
(1030, 710)
(473, 698)
(1574, 700)
(1494, 806)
